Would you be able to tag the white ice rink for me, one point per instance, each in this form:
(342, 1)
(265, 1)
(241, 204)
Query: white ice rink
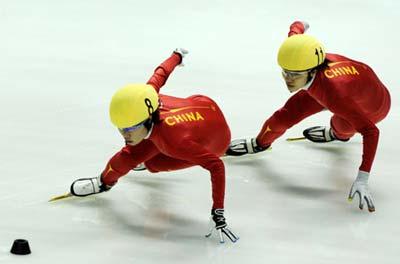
(60, 62)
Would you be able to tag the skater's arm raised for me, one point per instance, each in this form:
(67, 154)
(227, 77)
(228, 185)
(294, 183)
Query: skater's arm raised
(162, 72)
(298, 27)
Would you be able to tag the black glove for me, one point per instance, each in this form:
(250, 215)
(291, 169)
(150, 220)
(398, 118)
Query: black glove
(217, 216)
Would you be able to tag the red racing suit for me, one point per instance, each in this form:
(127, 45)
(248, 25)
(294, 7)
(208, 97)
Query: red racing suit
(191, 131)
(349, 89)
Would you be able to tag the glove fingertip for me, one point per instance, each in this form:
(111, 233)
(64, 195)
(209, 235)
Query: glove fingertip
(306, 25)
(352, 193)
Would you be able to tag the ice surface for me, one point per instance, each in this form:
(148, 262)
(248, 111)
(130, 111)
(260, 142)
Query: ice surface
(62, 60)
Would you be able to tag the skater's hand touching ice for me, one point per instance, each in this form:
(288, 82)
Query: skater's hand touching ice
(218, 223)
(360, 187)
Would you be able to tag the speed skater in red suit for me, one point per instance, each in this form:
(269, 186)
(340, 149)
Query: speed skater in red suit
(166, 133)
(321, 81)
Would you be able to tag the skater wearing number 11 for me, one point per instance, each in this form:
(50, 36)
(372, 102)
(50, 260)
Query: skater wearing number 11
(349, 89)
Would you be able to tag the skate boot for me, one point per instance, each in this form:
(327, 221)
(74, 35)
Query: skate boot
(244, 146)
(321, 134)
(88, 186)
(140, 167)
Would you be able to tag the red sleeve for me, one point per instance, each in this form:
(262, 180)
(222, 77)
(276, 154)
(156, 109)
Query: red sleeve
(127, 159)
(296, 27)
(298, 107)
(348, 110)
(195, 153)
(162, 72)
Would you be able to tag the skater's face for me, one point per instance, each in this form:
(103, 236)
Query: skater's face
(134, 136)
(295, 80)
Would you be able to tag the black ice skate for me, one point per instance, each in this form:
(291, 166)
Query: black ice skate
(321, 134)
(241, 147)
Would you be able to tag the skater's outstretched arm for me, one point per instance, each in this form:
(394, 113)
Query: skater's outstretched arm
(162, 72)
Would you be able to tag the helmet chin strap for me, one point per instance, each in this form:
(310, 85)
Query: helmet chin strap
(149, 125)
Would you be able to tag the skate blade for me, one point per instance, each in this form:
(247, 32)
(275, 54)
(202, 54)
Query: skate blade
(295, 139)
(59, 197)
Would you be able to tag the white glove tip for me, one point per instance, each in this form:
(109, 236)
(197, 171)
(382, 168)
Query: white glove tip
(306, 25)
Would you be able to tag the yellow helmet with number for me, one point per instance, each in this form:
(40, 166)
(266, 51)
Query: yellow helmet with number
(301, 52)
(133, 104)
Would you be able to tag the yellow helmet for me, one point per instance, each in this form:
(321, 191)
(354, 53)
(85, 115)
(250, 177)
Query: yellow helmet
(133, 104)
(301, 52)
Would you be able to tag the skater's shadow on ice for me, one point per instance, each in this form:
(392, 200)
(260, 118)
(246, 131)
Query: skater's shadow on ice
(141, 207)
(155, 223)
(277, 182)
(340, 163)
(269, 172)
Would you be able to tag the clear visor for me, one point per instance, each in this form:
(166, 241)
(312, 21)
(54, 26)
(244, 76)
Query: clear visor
(293, 74)
(132, 128)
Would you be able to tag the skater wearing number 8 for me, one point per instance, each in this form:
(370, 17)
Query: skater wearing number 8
(166, 133)
(349, 89)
